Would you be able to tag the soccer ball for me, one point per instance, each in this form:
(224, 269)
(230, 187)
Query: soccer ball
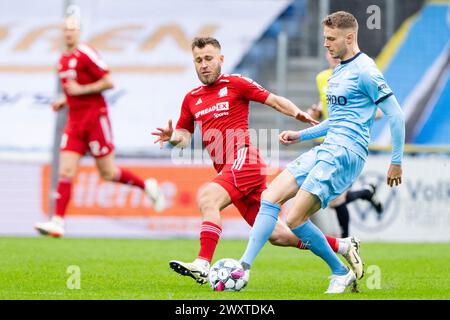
(227, 275)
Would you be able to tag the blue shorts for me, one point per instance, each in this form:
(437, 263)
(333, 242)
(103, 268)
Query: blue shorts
(326, 171)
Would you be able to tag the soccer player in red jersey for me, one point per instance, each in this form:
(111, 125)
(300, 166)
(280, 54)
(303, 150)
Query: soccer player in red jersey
(221, 107)
(84, 77)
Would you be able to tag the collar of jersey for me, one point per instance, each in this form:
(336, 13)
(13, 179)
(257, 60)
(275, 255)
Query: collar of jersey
(352, 58)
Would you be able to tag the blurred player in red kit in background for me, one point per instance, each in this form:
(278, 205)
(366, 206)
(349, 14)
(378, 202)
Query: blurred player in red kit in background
(84, 77)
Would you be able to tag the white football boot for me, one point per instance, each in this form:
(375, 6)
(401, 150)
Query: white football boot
(54, 227)
(338, 284)
(352, 256)
(197, 271)
(154, 193)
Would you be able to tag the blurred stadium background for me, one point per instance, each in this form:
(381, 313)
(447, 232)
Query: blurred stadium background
(278, 43)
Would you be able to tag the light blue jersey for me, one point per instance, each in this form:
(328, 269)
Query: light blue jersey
(354, 90)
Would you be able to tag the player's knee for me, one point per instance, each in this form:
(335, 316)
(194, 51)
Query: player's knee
(269, 195)
(206, 202)
(337, 202)
(292, 223)
(106, 174)
(206, 205)
(67, 172)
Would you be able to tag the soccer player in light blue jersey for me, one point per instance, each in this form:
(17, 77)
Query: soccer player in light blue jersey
(355, 89)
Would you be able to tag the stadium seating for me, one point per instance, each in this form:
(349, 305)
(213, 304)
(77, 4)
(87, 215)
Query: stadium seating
(418, 73)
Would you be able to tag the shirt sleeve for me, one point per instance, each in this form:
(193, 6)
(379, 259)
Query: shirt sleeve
(96, 66)
(186, 120)
(315, 132)
(371, 83)
(392, 109)
(251, 90)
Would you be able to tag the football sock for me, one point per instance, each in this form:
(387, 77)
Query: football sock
(127, 177)
(317, 243)
(64, 191)
(262, 229)
(333, 242)
(209, 236)
(343, 218)
(201, 262)
(343, 246)
(354, 195)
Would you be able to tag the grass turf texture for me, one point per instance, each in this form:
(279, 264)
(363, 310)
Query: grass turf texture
(36, 268)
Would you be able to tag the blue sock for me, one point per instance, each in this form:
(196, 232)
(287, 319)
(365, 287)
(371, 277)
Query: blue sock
(262, 229)
(314, 239)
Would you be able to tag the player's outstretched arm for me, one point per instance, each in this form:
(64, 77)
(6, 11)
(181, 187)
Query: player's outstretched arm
(291, 137)
(73, 88)
(394, 112)
(287, 107)
(177, 138)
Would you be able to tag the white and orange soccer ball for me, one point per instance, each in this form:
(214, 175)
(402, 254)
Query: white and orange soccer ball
(227, 275)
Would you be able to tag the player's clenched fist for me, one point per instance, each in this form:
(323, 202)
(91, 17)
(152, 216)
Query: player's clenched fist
(58, 104)
(289, 137)
(73, 88)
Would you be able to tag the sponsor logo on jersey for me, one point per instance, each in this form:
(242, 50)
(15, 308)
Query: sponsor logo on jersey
(332, 100)
(221, 106)
(72, 63)
(382, 86)
(223, 92)
(199, 101)
(70, 74)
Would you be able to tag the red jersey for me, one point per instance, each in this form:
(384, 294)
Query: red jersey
(221, 109)
(83, 65)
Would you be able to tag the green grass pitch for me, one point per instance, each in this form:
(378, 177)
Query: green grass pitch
(37, 268)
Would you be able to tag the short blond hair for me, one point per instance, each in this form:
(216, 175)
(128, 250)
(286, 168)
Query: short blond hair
(341, 20)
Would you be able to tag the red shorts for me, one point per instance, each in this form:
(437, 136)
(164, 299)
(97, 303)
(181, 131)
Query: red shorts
(91, 135)
(245, 180)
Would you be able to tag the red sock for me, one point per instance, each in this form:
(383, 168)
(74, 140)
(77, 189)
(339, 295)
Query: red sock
(209, 236)
(64, 191)
(333, 242)
(127, 177)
